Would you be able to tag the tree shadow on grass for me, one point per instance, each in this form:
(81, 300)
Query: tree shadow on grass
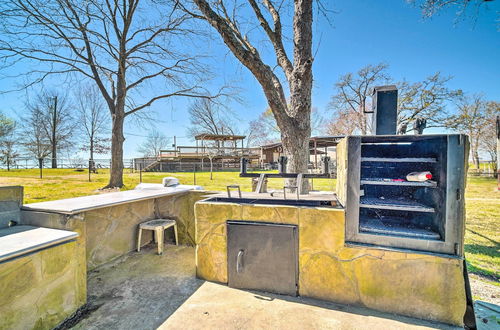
(492, 251)
(497, 244)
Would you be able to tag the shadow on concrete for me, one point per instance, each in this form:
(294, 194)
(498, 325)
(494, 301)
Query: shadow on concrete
(216, 306)
(139, 290)
(350, 309)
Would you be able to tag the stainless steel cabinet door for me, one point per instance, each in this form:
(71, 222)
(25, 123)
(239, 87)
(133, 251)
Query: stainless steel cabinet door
(262, 256)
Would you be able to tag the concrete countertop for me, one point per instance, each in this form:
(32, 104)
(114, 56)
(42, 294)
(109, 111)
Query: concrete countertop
(19, 240)
(87, 203)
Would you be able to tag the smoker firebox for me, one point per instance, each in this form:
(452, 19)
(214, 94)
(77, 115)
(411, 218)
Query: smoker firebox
(383, 208)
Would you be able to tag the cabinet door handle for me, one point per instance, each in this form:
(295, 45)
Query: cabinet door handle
(239, 261)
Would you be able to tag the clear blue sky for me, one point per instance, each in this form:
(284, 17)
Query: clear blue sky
(363, 32)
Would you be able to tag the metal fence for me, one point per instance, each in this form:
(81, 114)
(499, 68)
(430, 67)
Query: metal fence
(487, 168)
(62, 163)
(153, 165)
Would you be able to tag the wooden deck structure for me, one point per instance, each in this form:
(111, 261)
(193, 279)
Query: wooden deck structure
(226, 152)
(222, 148)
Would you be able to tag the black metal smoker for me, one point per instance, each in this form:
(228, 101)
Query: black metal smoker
(384, 208)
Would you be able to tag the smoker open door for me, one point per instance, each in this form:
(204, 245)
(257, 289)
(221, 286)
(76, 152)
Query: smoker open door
(262, 256)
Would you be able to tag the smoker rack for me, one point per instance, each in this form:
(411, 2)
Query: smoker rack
(393, 227)
(402, 213)
(400, 204)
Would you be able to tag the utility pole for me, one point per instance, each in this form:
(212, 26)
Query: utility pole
(40, 165)
(54, 138)
(498, 152)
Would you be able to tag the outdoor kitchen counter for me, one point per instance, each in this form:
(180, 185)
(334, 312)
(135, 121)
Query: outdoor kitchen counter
(422, 285)
(107, 223)
(21, 240)
(42, 277)
(88, 203)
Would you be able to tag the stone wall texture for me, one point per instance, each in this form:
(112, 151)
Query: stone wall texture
(419, 285)
(39, 290)
(110, 232)
(11, 198)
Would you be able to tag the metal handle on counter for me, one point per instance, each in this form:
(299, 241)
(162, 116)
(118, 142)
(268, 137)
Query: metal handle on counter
(239, 261)
(233, 186)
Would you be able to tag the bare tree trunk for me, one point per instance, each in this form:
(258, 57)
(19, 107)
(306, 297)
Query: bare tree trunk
(211, 169)
(91, 147)
(118, 117)
(296, 147)
(363, 118)
(476, 159)
(54, 156)
(54, 135)
(295, 136)
(294, 119)
(497, 131)
(116, 172)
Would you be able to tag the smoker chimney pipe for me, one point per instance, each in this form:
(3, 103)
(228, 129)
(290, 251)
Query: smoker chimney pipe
(385, 110)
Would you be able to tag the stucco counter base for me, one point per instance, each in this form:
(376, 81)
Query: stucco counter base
(38, 290)
(418, 285)
(107, 232)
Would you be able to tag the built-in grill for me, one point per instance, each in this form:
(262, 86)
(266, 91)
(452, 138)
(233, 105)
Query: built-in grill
(378, 205)
(384, 208)
(268, 201)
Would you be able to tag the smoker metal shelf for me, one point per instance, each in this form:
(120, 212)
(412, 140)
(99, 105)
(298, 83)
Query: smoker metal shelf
(394, 204)
(394, 227)
(398, 160)
(384, 182)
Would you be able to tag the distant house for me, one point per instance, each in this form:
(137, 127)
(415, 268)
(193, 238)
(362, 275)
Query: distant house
(318, 145)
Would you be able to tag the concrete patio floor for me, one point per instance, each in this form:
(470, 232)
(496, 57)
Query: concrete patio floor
(147, 291)
(215, 306)
(141, 289)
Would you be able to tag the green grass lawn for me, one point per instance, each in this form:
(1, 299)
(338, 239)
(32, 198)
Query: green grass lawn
(482, 238)
(66, 183)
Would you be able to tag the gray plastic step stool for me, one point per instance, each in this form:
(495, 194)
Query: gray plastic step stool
(158, 226)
